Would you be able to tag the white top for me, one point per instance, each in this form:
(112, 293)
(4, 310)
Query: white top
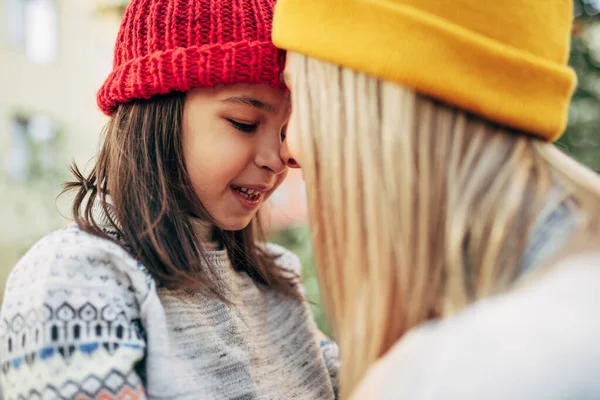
(540, 342)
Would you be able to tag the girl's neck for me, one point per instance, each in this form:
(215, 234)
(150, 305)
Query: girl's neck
(205, 232)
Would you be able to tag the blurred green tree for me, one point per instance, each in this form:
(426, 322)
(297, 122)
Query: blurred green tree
(582, 137)
(116, 7)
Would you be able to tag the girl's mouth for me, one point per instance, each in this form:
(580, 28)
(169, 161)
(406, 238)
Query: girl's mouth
(250, 198)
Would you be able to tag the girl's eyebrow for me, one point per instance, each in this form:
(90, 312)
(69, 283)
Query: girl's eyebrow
(252, 102)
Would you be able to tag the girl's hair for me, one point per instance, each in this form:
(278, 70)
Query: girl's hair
(140, 184)
(417, 209)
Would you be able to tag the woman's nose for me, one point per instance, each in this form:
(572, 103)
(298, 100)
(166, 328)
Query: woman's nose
(286, 156)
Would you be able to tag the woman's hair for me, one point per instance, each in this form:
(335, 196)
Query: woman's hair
(417, 209)
(140, 183)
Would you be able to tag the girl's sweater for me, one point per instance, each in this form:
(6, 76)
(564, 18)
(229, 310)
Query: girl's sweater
(83, 319)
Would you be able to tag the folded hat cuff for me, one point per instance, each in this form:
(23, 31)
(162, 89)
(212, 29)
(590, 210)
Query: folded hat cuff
(433, 56)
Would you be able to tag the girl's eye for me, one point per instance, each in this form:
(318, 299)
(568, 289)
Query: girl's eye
(248, 128)
(283, 134)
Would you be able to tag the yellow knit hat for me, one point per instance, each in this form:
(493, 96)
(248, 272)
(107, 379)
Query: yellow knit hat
(503, 60)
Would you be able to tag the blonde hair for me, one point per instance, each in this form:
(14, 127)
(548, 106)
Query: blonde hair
(417, 209)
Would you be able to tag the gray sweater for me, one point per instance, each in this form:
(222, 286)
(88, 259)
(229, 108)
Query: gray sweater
(82, 317)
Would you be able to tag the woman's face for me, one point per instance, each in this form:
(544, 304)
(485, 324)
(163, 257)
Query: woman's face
(291, 146)
(232, 143)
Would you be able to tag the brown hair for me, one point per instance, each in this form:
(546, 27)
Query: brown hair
(140, 182)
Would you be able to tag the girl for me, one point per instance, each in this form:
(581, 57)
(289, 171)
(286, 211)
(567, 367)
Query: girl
(163, 289)
(458, 246)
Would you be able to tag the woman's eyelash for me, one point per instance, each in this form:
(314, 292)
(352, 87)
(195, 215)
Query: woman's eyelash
(248, 128)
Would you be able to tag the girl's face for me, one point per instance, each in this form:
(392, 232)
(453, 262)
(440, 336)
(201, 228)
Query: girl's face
(232, 139)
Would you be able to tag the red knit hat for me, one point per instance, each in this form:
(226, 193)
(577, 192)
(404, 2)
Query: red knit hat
(177, 45)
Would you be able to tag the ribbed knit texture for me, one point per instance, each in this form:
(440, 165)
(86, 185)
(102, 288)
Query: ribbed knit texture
(177, 45)
(505, 61)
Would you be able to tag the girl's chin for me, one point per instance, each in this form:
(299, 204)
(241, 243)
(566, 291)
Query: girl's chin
(237, 224)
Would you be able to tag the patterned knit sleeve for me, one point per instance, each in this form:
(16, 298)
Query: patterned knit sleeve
(332, 359)
(70, 322)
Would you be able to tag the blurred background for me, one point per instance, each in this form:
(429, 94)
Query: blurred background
(55, 54)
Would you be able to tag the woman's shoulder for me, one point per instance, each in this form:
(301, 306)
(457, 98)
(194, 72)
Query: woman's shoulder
(539, 341)
(71, 256)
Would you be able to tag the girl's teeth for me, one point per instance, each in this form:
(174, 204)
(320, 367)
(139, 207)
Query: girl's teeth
(246, 190)
(249, 194)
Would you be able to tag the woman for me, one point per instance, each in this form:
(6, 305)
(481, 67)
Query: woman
(457, 248)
